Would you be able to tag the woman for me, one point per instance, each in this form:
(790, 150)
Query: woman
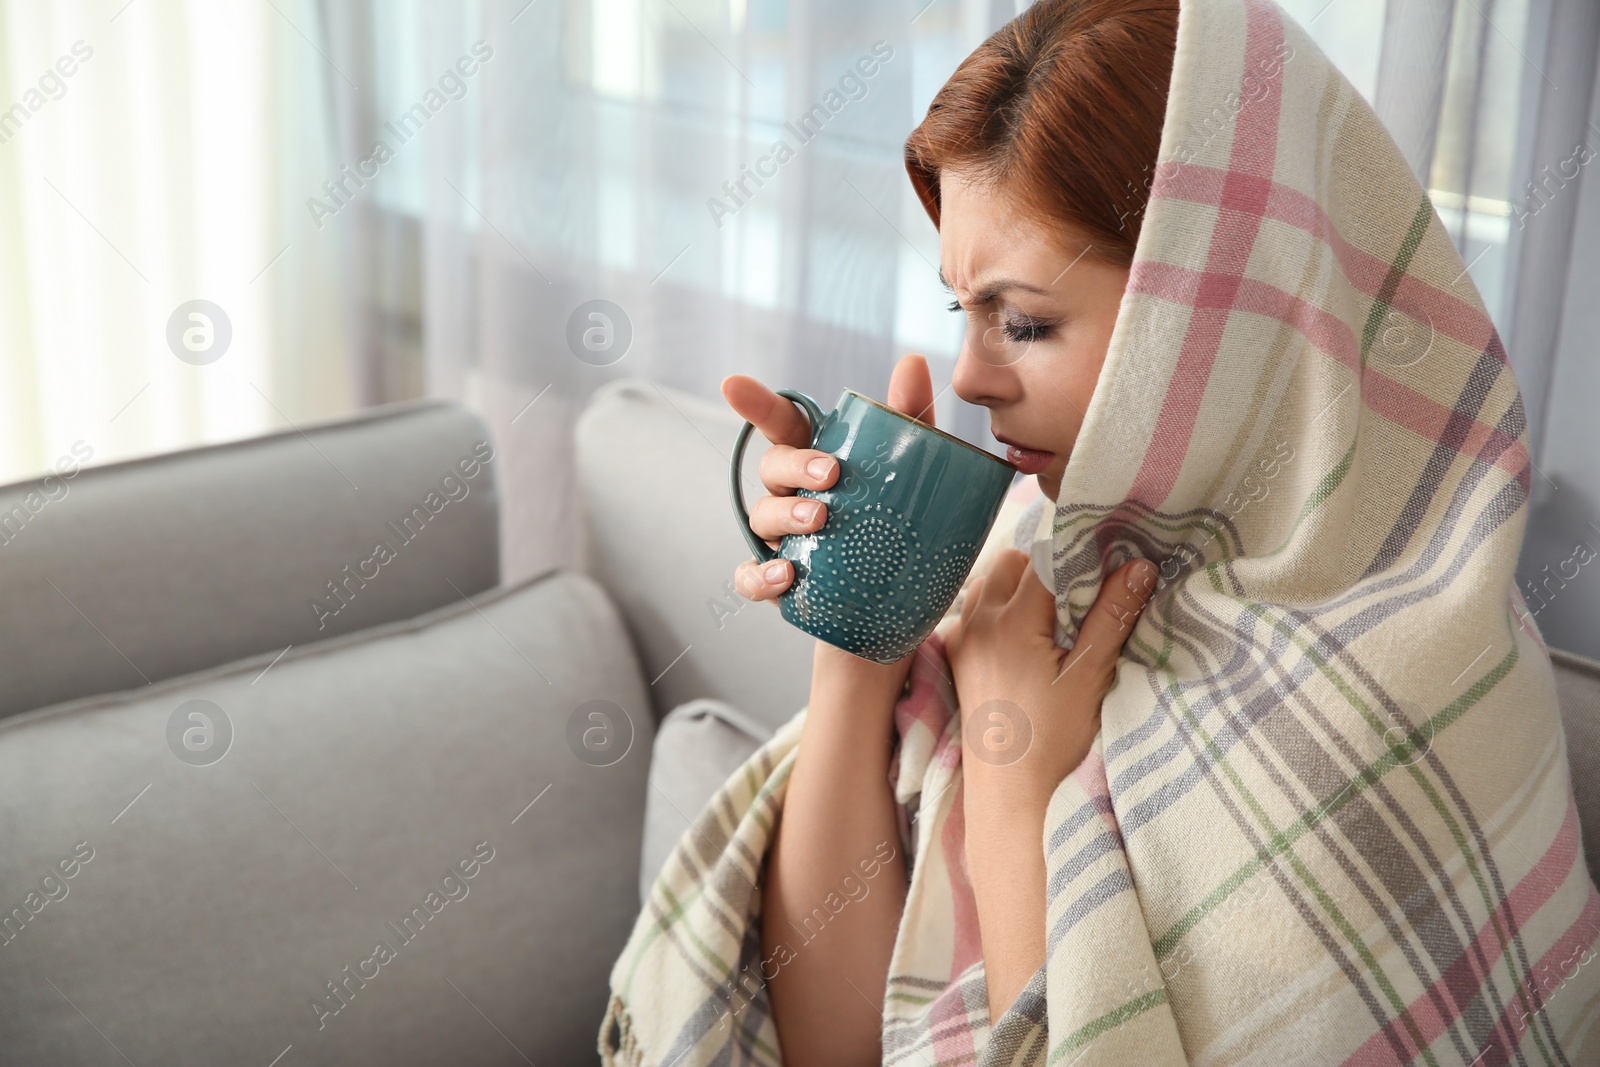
(1041, 301)
(1309, 806)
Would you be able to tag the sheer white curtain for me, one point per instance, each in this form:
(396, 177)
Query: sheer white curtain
(625, 151)
(154, 152)
(1555, 316)
(151, 154)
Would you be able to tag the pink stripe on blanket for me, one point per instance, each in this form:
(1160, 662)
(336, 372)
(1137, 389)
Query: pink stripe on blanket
(1398, 403)
(1455, 988)
(925, 702)
(950, 1020)
(1449, 314)
(1243, 198)
(1409, 408)
(951, 1028)
(1577, 942)
(1091, 778)
(1519, 608)
(968, 949)
(1182, 285)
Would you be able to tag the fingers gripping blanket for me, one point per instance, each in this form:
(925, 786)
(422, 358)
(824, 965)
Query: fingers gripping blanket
(1328, 818)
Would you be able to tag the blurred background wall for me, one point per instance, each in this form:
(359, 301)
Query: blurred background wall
(388, 199)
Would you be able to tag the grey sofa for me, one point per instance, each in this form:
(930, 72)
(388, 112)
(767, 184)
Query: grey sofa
(287, 775)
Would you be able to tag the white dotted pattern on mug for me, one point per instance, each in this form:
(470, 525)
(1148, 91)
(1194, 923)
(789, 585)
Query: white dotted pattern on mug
(871, 612)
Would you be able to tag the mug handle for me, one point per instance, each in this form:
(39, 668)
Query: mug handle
(814, 412)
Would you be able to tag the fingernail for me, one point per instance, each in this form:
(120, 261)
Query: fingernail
(1141, 577)
(806, 510)
(773, 572)
(819, 467)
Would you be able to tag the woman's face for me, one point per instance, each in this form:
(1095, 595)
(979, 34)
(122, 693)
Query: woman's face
(1039, 319)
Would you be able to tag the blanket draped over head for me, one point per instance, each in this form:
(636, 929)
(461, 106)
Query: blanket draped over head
(1328, 816)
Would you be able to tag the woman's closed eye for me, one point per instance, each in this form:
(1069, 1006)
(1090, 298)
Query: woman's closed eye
(1024, 329)
(1018, 328)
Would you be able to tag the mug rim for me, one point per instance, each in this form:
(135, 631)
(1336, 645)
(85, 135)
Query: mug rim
(929, 426)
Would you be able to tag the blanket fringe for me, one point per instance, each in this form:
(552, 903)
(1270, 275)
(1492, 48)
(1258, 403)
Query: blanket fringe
(619, 1045)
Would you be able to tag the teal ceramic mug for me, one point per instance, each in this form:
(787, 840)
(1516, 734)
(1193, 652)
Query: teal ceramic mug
(907, 516)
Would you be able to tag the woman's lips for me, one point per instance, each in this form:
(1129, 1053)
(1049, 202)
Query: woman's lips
(1028, 460)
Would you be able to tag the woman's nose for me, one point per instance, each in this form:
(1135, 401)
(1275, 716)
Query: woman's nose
(982, 373)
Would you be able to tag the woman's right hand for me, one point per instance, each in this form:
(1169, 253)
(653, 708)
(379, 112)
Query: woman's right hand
(790, 465)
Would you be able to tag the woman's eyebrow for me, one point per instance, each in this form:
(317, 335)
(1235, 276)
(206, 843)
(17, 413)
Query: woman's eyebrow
(995, 288)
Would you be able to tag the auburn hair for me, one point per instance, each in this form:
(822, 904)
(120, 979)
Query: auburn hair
(1063, 106)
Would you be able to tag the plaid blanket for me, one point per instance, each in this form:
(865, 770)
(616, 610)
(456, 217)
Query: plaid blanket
(1328, 817)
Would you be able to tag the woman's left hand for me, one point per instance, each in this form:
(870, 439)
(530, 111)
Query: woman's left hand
(1031, 708)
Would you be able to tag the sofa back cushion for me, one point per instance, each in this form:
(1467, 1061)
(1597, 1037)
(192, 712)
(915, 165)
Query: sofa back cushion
(1578, 690)
(660, 534)
(133, 572)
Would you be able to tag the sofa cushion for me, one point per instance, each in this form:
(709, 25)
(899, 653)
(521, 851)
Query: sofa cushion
(1578, 691)
(697, 746)
(418, 844)
(133, 572)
